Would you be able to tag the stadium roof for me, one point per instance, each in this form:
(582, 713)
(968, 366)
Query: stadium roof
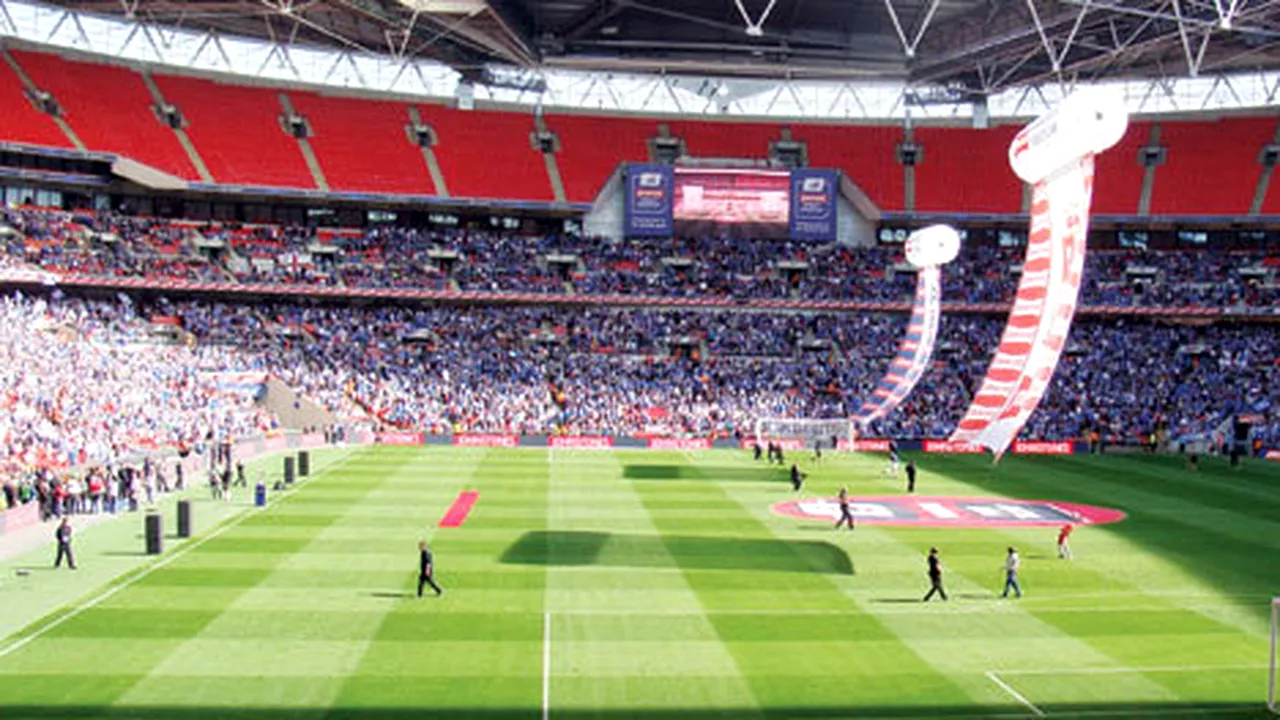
(966, 46)
(862, 60)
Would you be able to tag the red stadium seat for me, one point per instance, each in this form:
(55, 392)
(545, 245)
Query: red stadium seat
(866, 153)
(1117, 184)
(967, 171)
(110, 110)
(362, 144)
(726, 139)
(20, 122)
(1212, 167)
(591, 147)
(485, 154)
(237, 132)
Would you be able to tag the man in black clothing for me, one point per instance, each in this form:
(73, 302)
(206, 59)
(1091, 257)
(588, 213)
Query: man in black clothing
(63, 536)
(846, 517)
(817, 449)
(935, 576)
(426, 569)
(241, 480)
(894, 459)
(797, 478)
(911, 476)
(755, 451)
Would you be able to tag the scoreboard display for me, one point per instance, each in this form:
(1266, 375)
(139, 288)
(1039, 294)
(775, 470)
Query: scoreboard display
(662, 201)
(732, 196)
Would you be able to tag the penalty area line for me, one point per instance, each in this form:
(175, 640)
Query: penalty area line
(1136, 670)
(991, 675)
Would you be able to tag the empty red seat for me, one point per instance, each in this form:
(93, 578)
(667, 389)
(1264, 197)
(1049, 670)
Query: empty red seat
(110, 110)
(237, 131)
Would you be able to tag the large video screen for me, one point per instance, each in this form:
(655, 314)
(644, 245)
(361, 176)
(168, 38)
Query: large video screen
(757, 197)
(661, 201)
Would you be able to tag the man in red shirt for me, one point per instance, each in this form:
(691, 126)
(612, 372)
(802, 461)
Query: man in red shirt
(1064, 549)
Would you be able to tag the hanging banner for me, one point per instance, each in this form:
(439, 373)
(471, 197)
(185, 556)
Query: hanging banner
(813, 204)
(648, 201)
(1055, 155)
(927, 249)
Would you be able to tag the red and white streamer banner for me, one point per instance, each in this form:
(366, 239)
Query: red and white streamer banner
(1041, 316)
(915, 351)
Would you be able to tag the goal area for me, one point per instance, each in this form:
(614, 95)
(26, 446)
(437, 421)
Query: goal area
(1273, 703)
(809, 431)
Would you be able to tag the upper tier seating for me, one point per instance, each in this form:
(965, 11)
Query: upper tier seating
(238, 133)
(363, 145)
(952, 157)
(486, 154)
(20, 122)
(1212, 166)
(110, 110)
(592, 147)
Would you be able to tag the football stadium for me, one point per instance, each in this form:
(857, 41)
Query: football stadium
(639, 359)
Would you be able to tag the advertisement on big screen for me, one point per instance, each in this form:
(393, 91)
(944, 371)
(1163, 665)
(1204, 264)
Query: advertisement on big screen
(813, 204)
(731, 197)
(649, 201)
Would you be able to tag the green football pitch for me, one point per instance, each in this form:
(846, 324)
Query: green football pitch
(637, 584)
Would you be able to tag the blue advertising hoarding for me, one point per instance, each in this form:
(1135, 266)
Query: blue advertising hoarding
(813, 204)
(649, 201)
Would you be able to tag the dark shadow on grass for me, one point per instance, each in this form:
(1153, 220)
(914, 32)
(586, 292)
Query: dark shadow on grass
(809, 712)
(717, 473)
(391, 595)
(125, 553)
(897, 600)
(686, 552)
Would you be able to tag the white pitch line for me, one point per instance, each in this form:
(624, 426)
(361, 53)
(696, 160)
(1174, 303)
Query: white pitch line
(546, 666)
(1014, 694)
(181, 552)
(1125, 670)
(1202, 711)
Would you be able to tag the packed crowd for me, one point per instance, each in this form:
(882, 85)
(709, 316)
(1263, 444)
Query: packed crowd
(82, 384)
(507, 261)
(585, 370)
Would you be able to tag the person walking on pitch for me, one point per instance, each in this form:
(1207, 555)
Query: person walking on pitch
(846, 516)
(894, 459)
(935, 576)
(63, 536)
(797, 478)
(911, 476)
(426, 569)
(1011, 566)
(1064, 548)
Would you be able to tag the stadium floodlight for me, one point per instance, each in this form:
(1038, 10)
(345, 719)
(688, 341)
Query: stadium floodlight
(808, 430)
(1273, 703)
